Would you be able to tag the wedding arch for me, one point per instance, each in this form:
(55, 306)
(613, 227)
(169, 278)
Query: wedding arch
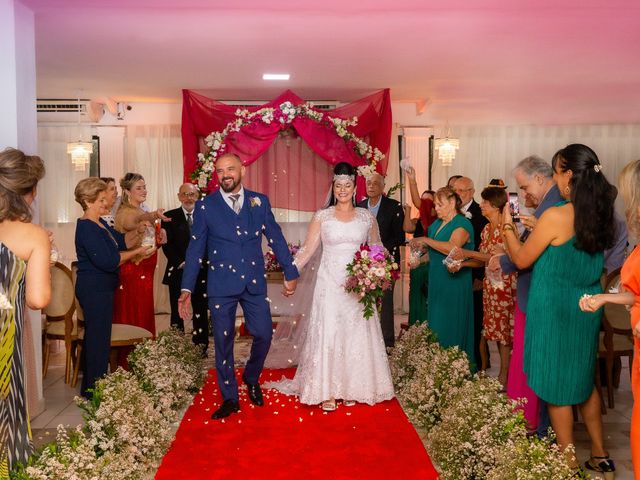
(359, 133)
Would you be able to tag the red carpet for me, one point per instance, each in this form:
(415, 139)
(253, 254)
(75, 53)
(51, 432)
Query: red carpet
(288, 440)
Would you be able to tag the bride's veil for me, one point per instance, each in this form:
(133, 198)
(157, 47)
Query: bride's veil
(291, 331)
(290, 334)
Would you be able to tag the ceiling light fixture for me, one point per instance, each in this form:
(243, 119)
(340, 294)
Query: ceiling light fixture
(447, 147)
(80, 151)
(275, 76)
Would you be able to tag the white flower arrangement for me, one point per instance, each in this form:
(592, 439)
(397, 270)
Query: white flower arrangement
(473, 430)
(128, 420)
(284, 115)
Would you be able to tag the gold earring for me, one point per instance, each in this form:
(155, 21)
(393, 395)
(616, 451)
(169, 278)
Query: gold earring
(566, 190)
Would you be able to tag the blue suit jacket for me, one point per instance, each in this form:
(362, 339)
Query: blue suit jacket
(524, 276)
(233, 243)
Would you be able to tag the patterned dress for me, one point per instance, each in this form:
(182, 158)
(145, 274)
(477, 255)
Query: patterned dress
(15, 432)
(498, 301)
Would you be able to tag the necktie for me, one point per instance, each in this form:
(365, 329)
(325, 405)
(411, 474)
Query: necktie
(236, 205)
(190, 219)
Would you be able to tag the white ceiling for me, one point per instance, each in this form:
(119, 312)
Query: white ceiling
(472, 61)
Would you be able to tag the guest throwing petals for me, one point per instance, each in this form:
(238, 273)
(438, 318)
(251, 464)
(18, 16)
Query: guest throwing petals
(134, 296)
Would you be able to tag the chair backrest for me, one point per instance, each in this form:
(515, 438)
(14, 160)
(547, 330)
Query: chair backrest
(74, 276)
(617, 317)
(62, 303)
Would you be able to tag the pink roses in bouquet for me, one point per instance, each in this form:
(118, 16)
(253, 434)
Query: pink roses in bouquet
(371, 272)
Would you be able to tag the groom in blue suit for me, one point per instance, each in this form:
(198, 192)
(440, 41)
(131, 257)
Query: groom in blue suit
(229, 225)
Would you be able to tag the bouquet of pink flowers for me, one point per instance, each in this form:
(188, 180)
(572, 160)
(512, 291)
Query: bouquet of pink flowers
(271, 262)
(371, 272)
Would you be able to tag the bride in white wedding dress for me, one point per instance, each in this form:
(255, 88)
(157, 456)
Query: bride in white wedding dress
(343, 355)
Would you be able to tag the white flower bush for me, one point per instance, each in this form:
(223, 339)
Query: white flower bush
(128, 421)
(168, 370)
(473, 430)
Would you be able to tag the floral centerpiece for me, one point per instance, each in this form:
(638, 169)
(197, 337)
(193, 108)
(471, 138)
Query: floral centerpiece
(271, 262)
(370, 273)
(283, 115)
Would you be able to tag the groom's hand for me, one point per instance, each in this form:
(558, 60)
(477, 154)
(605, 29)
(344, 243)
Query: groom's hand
(289, 287)
(184, 306)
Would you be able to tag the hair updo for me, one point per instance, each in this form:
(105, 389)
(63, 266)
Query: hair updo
(126, 183)
(342, 168)
(19, 175)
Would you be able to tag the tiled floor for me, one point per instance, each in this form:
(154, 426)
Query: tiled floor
(60, 408)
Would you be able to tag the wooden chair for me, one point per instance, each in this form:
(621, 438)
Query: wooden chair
(59, 323)
(122, 336)
(616, 338)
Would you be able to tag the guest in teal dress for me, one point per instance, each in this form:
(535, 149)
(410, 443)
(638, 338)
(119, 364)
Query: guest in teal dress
(566, 250)
(450, 299)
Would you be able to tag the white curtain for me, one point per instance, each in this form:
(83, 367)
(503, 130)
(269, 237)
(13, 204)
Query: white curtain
(155, 151)
(488, 152)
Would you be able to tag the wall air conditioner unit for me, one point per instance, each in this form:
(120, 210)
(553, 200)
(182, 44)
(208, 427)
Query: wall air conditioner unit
(65, 110)
(318, 104)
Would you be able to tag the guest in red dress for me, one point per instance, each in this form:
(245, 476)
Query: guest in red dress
(133, 304)
(499, 292)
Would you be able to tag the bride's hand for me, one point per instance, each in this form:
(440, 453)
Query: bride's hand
(289, 287)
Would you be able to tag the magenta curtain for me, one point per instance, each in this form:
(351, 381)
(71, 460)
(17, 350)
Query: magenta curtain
(202, 115)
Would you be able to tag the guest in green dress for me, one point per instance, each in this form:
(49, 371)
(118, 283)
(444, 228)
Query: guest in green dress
(450, 299)
(418, 259)
(566, 251)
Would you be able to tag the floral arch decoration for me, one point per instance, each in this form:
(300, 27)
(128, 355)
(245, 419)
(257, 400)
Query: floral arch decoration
(351, 132)
(283, 116)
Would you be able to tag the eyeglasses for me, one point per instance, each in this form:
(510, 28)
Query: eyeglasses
(190, 194)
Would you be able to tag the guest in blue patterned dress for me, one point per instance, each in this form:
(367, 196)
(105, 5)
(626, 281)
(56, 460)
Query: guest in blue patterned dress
(25, 280)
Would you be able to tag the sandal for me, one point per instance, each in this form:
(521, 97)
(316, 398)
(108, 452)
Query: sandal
(602, 465)
(329, 405)
(348, 403)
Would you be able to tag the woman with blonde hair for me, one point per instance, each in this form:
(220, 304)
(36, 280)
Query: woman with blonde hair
(134, 297)
(629, 183)
(25, 281)
(100, 251)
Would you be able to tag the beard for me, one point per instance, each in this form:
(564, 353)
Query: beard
(231, 188)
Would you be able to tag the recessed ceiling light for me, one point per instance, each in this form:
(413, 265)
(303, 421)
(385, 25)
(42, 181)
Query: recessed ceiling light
(275, 76)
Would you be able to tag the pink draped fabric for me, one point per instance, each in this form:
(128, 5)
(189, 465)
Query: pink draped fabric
(202, 115)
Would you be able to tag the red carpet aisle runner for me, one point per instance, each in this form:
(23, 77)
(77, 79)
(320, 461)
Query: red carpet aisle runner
(288, 440)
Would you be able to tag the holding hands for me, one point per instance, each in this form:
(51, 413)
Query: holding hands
(289, 287)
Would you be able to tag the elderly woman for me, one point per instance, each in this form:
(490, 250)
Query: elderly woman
(25, 281)
(134, 299)
(100, 251)
(499, 292)
(561, 341)
(450, 299)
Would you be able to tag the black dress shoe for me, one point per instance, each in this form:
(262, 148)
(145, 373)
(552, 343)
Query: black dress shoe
(255, 392)
(227, 408)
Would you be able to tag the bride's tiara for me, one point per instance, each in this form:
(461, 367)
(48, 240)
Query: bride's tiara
(343, 177)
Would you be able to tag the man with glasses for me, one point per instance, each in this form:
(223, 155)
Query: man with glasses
(465, 189)
(178, 234)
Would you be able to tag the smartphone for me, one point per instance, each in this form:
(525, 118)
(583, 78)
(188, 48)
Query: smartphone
(514, 206)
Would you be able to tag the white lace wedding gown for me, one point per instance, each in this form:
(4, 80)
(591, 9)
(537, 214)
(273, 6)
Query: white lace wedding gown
(343, 355)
